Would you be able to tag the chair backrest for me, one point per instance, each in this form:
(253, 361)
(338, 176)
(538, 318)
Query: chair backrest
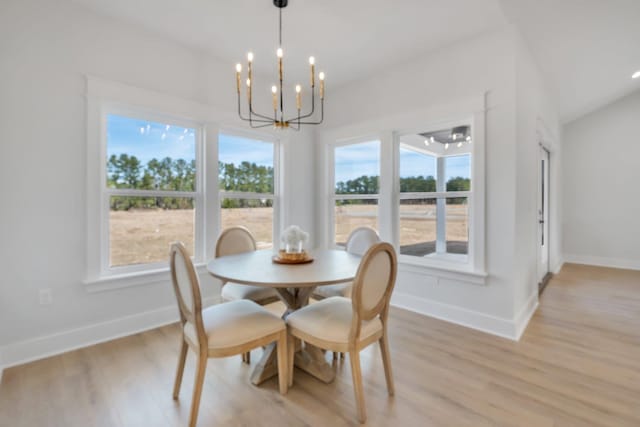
(373, 285)
(235, 240)
(187, 288)
(361, 239)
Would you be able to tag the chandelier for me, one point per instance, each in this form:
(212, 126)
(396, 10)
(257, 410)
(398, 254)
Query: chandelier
(278, 120)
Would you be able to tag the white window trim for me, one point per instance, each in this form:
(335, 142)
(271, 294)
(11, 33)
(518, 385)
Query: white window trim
(441, 261)
(333, 197)
(277, 181)
(105, 97)
(387, 130)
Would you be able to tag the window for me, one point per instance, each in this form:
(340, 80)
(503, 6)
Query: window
(151, 191)
(246, 180)
(435, 188)
(356, 188)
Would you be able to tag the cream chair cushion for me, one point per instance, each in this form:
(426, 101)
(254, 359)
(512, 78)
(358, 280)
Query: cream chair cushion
(330, 320)
(235, 291)
(235, 323)
(340, 290)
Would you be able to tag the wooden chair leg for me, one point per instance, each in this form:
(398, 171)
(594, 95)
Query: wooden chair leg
(291, 355)
(356, 373)
(335, 355)
(197, 389)
(283, 366)
(386, 360)
(246, 357)
(180, 370)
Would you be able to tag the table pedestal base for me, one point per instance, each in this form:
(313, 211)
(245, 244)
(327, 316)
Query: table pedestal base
(309, 358)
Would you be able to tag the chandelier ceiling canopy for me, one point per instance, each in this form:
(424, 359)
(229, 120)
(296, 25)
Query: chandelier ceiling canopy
(278, 119)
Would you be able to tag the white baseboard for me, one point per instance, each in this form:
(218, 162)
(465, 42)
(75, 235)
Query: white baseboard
(627, 264)
(556, 269)
(524, 315)
(506, 328)
(62, 342)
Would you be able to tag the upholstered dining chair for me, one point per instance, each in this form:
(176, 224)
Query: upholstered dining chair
(221, 330)
(236, 240)
(358, 242)
(342, 325)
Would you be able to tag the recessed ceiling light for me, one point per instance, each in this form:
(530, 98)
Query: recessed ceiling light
(636, 75)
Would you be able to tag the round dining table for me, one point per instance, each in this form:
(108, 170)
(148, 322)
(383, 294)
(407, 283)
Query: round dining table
(294, 284)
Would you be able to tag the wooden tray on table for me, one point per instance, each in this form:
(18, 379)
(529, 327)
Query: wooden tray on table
(292, 258)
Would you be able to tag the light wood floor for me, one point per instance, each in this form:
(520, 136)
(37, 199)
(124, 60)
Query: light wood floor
(578, 364)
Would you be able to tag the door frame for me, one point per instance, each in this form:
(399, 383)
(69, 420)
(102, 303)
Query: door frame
(543, 210)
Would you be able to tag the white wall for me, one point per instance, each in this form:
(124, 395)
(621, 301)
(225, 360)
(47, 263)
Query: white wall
(601, 173)
(46, 49)
(536, 122)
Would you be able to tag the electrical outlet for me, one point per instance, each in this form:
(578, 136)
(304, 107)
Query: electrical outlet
(46, 296)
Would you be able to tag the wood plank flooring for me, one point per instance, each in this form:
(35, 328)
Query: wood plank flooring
(578, 364)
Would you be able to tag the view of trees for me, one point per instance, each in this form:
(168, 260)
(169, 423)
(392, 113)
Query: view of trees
(413, 184)
(245, 177)
(128, 172)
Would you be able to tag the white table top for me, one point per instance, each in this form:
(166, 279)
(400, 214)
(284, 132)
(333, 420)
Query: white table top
(256, 268)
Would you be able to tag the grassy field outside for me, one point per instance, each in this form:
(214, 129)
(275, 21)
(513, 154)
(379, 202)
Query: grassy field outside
(143, 235)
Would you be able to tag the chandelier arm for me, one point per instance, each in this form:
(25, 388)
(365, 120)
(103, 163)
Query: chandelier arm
(305, 116)
(260, 126)
(257, 120)
(313, 105)
(251, 112)
(250, 119)
(321, 116)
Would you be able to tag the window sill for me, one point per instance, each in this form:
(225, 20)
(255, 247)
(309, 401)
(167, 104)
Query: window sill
(444, 270)
(138, 278)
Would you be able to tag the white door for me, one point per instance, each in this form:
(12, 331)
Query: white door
(543, 214)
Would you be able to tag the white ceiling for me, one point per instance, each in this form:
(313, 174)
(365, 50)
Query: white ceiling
(586, 49)
(349, 38)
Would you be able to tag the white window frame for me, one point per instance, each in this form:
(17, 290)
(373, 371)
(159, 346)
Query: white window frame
(103, 98)
(387, 130)
(435, 259)
(333, 197)
(107, 192)
(277, 190)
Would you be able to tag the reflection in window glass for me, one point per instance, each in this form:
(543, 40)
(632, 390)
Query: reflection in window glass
(351, 214)
(357, 168)
(418, 226)
(457, 214)
(142, 228)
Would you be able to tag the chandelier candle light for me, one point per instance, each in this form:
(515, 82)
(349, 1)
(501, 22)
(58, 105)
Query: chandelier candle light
(257, 120)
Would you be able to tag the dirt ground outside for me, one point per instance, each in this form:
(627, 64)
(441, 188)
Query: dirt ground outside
(417, 222)
(144, 236)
